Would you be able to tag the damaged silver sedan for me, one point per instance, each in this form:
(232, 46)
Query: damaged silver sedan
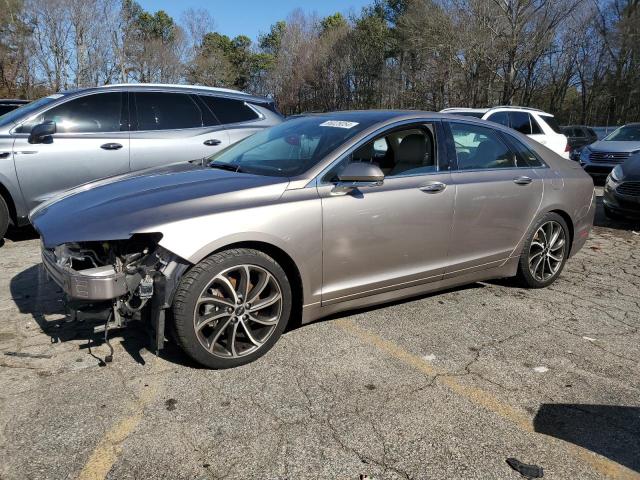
(321, 214)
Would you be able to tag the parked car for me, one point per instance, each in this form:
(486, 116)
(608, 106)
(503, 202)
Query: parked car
(601, 157)
(602, 132)
(536, 124)
(9, 104)
(621, 197)
(578, 136)
(317, 215)
(71, 138)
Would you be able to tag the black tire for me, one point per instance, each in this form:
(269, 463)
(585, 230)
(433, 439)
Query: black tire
(199, 279)
(612, 214)
(4, 218)
(525, 277)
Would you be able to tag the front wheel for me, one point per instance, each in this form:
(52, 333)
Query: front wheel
(545, 252)
(4, 218)
(231, 308)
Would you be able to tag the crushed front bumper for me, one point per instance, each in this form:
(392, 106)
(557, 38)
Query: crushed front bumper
(94, 284)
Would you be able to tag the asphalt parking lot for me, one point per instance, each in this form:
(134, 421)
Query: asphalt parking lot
(444, 386)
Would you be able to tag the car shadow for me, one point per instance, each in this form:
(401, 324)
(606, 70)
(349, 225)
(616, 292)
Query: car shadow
(609, 430)
(20, 234)
(34, 295)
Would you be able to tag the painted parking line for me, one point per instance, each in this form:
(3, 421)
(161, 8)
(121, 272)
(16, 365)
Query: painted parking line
(484, 399)
(106, 453)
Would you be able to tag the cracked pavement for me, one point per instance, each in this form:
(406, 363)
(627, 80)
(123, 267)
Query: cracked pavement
(443, 386)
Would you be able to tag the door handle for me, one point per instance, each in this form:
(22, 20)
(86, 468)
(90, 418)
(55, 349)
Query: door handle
(212, 142)
(5, 154)
(433, 187)
(522, 180)
(111, 146)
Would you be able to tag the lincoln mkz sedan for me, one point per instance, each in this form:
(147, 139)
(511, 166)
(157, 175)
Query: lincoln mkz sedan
(320, 214)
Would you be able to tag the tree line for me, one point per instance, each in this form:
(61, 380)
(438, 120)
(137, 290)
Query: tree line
(579, 59)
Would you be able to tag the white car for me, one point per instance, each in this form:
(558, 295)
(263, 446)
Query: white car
(536, 124)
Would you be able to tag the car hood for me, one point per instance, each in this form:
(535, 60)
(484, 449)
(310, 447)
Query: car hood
(614, 146)
(116, 208)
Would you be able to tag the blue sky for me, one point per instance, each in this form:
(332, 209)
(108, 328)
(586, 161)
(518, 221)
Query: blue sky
(252, 17)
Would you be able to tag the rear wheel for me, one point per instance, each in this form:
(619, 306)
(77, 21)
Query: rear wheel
(231, 308)
(545, 252)
(4, 217)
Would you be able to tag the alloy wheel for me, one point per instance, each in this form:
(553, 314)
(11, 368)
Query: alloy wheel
(546, 252)
(237, 311)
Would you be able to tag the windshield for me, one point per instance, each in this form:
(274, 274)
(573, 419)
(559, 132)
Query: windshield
(628, 133)
(23, 112)
(288, 149)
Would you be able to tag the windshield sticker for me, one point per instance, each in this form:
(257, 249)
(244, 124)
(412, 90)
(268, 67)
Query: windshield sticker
(338, 124)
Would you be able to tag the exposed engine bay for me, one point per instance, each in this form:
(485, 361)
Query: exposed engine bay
(125, 280)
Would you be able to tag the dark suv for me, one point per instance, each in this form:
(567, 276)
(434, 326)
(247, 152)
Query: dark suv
(579, 136)
(7, 105)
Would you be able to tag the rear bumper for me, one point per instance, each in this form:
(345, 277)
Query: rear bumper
(95, 284)
(582, 227)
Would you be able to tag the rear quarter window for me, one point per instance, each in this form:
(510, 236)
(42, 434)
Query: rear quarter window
(552, 122)
(229, 110)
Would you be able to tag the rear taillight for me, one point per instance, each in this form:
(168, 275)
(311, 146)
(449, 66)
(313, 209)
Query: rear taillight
(567, 148)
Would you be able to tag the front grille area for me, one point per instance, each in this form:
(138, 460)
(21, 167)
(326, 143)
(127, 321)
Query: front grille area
(629, 188)
(609, 157)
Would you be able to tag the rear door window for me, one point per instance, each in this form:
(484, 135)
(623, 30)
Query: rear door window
(520, 122)
(525, 157)
(229, 110)
(499, 117)
(166, 111)
(480, 148)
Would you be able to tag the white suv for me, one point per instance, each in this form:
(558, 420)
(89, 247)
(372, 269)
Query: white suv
(536, 124)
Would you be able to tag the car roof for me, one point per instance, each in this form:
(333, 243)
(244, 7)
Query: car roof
(13, 100)
(497, 107)
(388, 116)
(226, 92)
(465, 109)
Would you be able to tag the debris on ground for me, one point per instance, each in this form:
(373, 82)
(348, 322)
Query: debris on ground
(540, 369)
(27, 355)
(527, 471)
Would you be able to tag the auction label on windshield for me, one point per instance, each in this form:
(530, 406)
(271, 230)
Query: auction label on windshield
(338, 124)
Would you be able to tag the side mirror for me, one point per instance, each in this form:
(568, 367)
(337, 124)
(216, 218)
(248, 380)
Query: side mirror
(42, 132)
(358, 174)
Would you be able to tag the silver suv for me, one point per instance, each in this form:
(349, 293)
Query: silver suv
(75, 137)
